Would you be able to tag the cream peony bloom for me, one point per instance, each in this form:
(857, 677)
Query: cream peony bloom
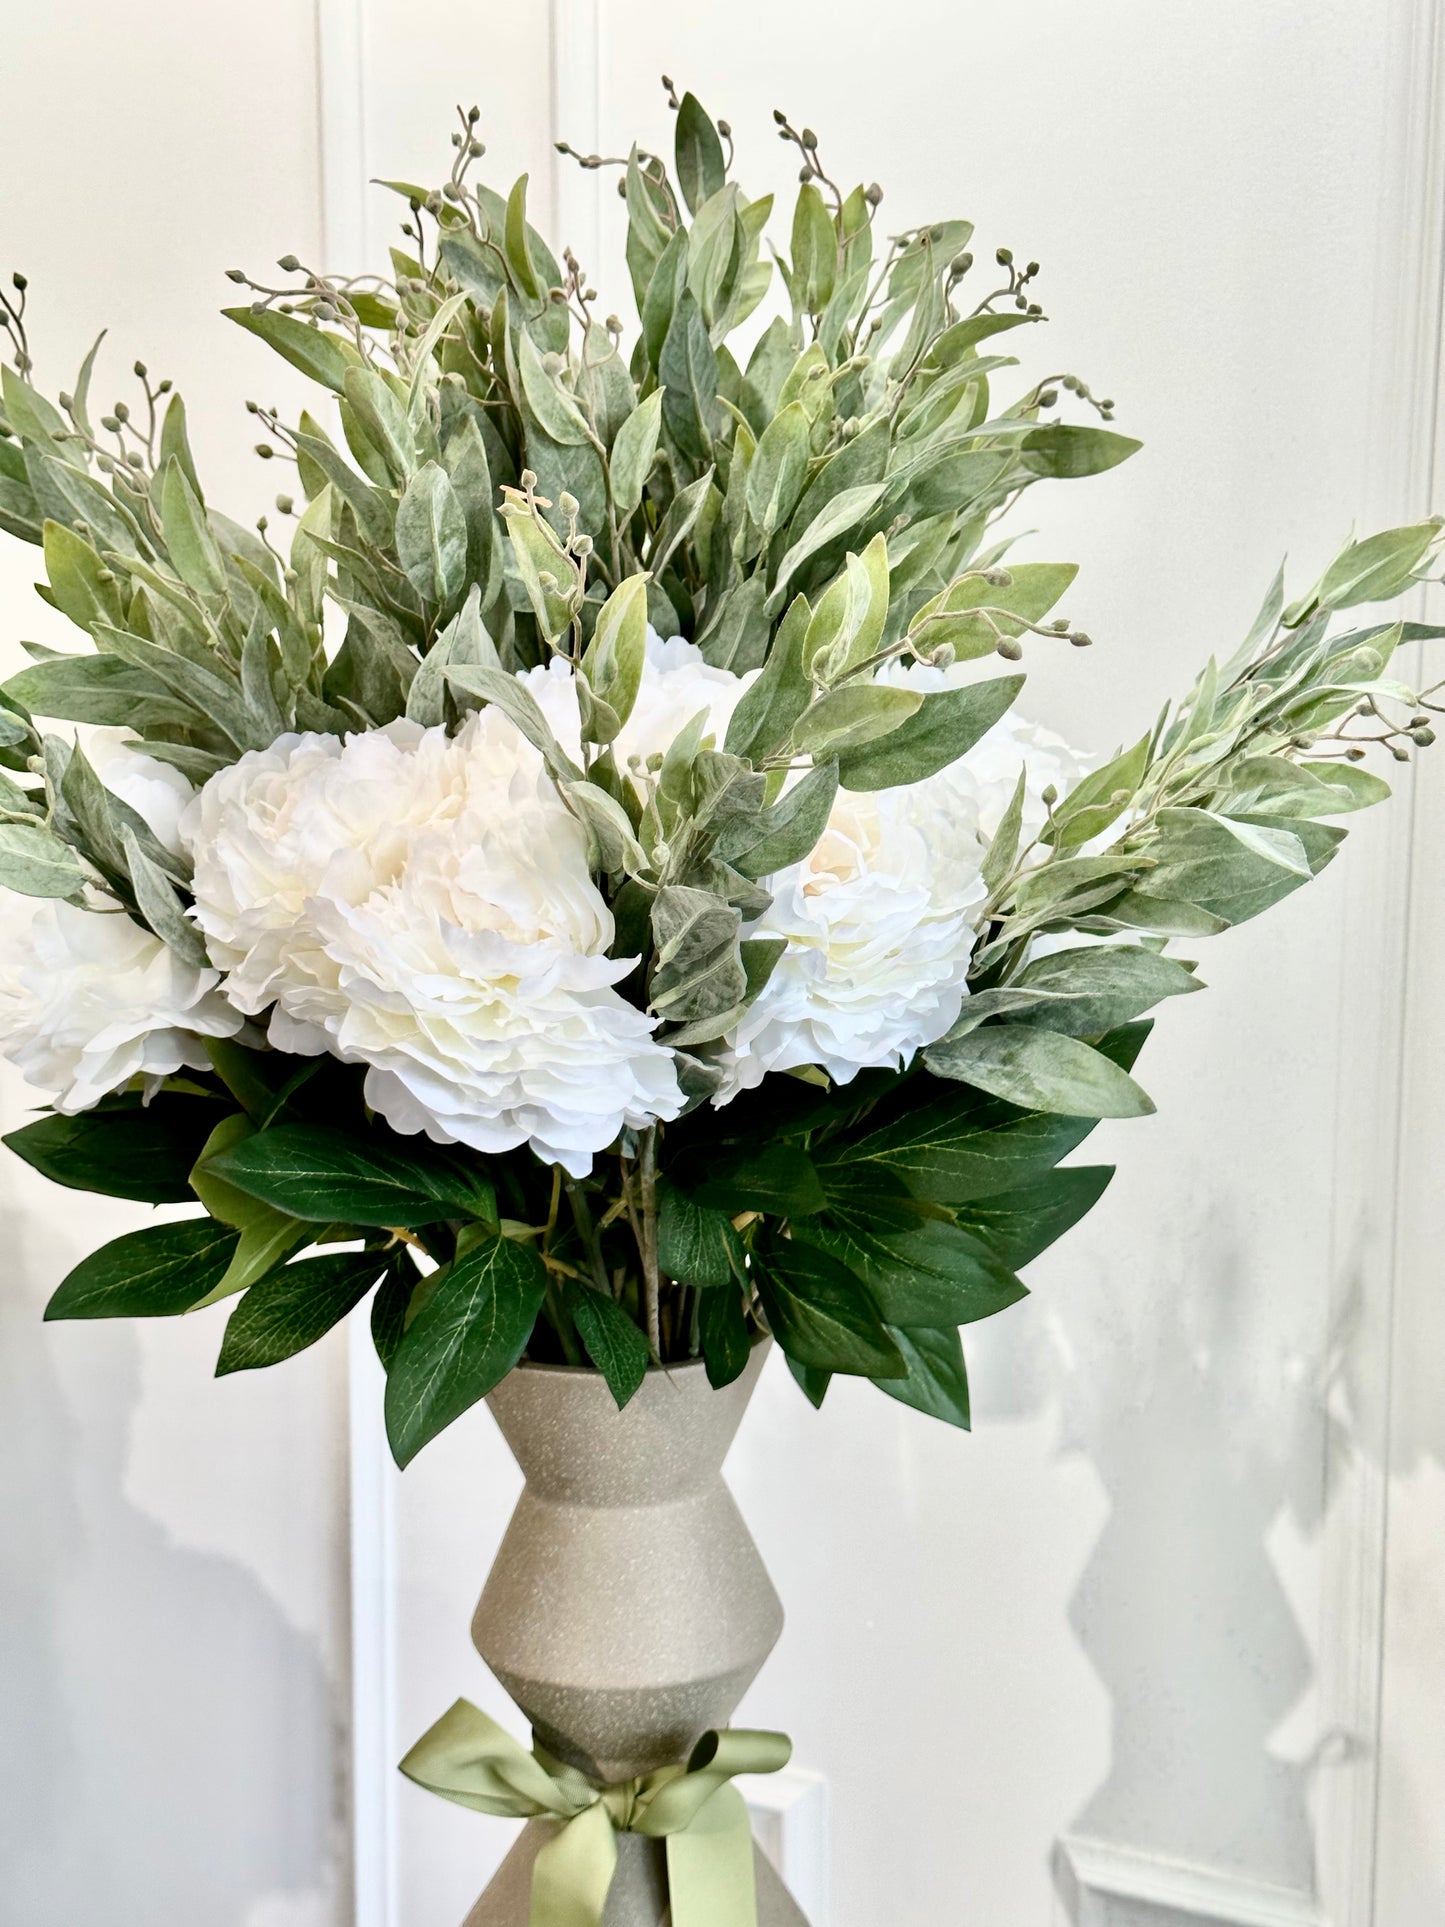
(422, 905)
(89, 1000)
(677, 684)
(157, 793)
(880, 919)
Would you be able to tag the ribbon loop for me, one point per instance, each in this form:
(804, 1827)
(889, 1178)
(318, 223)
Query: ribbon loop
(468, 1759)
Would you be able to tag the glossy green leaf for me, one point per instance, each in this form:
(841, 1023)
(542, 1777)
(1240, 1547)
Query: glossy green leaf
(822, 1315)
(330, 1176)
(123, 1149)
(1020, 1224)
(723, 1333)
(696, 1243)
(614, 1343)
(468, 1335)
(156, 1273)
(936, 1383)
(291, 1308)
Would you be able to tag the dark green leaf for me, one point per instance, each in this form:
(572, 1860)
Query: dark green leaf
(155, 1273)
(470, 1333)
(391, 1304)
(688, 371)
(723, 1331)
(822, 1315)
(296, 1305)
(937, 1381)
(919, 1272)
(614, 1343)
(696, 1243)
(328, 1176)
(778, 1179)
(811, 1382)
(123, 1149)
(1020, 1224)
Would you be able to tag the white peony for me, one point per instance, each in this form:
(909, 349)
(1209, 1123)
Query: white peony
(156, 792)
(678, 683)
(89, 1000)
(422, 905)
(880, 919)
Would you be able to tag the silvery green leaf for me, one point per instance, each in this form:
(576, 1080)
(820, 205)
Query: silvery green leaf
(615, 655)
(815, 251)
(175, 439)
(1225, 867)
(212, 695)
(846, 718)
(1099, 987)
(778, 470)
(1261, 629)
(36, 863)
(612, 846)
(767, 369)
(98, 689)
(771, 705)
(949, 618)
(736, 637)
(159, 904)
(843, 513)
(946, 725)
(464, 640)
(1004, 849)
(1065, 450)
(83, 587)
(669, 278)
(700, 169)
(1276, 786)
(1099, 799)
(633, 452)
(1040, 1070)
(382, 414)
(324, 357)
(1380, 567)
(258, 661)
(556, 411)
(847, 625)
(431, 536)
(682, 514)
(28, 412)
(189, 540)
(857, 464)
(537, 553)
(762, 845)
(697, 972)
(604, 388)
(421, 354)
(688, 370)
(371, 506)
(77, 497)
(515, 700)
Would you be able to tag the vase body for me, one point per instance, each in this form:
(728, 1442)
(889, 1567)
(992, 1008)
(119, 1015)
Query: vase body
(628, 1609)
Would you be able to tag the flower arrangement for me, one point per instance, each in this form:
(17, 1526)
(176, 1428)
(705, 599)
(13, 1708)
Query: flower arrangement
(591, 894)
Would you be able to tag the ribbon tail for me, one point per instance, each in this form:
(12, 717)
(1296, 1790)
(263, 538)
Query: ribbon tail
(710, 1866)
(573, 1872)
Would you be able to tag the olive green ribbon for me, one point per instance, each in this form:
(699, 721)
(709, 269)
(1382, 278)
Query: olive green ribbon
(467, 1758)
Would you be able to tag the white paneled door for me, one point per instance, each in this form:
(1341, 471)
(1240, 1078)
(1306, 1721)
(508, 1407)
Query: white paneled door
(1163, 1641)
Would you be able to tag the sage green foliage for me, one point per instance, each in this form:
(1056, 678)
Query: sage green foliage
(493, 472)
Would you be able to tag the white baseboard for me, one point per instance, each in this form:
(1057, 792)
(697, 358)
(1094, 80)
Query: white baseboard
(790, 1823)
(1113, 1886)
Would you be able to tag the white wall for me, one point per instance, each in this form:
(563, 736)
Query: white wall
(1139, 1607)
(173, 1612)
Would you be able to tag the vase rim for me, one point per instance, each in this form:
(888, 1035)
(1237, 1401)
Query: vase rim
(686, 1366)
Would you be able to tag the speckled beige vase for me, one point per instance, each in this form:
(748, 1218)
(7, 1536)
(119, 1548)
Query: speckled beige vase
(628, 1609)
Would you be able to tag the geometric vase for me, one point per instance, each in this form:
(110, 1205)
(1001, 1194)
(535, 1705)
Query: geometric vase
(628, 1609)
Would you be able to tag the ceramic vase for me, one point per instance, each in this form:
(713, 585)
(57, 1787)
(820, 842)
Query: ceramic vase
(628, 1609)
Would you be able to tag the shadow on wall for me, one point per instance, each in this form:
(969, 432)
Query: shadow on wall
(130, 1661)
(1195, 1395)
